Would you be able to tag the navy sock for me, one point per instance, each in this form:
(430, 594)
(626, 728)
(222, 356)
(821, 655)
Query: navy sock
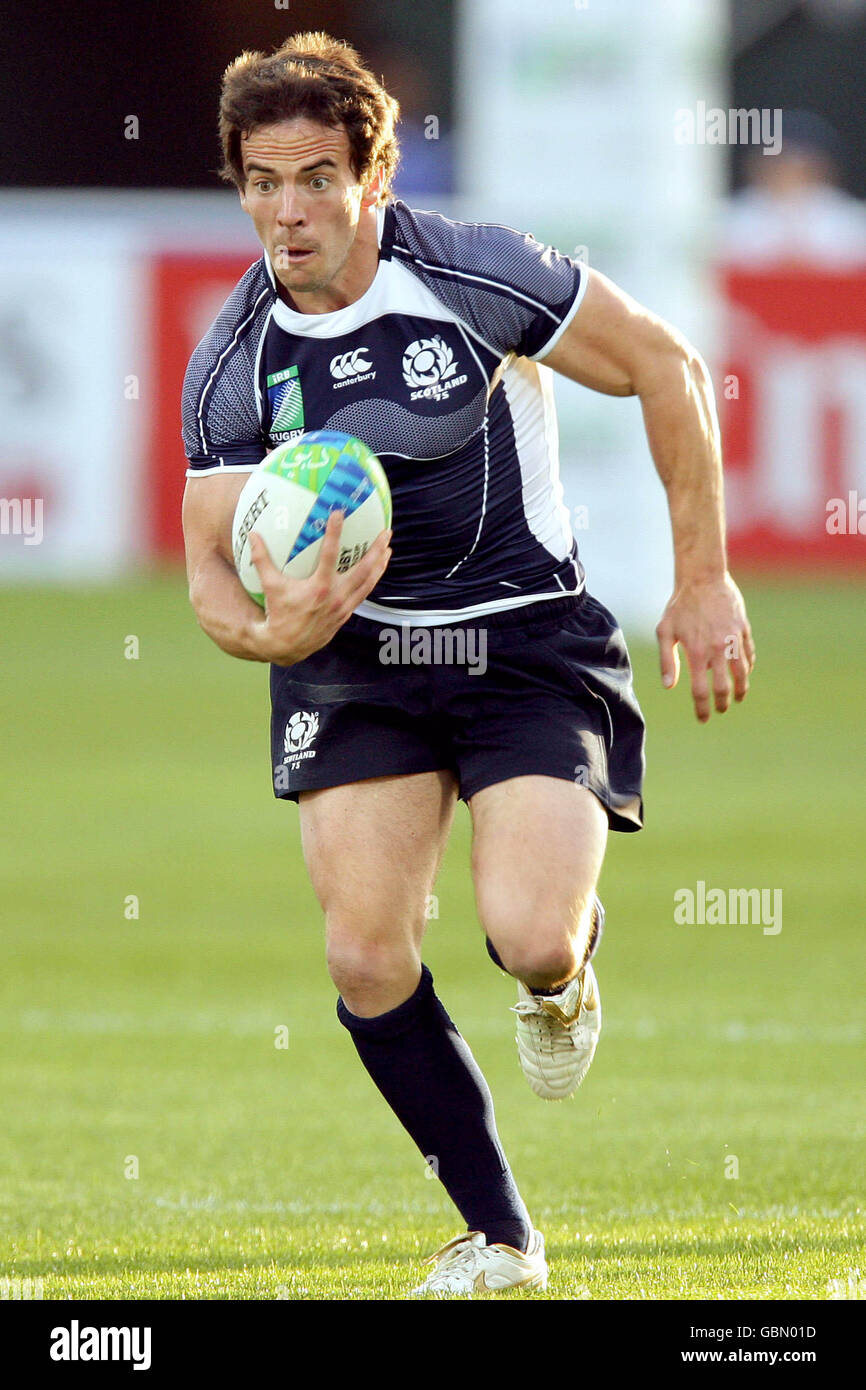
(595, 938)
(428, 1076)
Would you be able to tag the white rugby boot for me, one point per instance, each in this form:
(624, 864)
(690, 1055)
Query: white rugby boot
(557, 1035)
(468, 1265)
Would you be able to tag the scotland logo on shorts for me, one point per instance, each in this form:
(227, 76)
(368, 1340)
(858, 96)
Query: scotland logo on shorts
(429, 364)
(300, 732)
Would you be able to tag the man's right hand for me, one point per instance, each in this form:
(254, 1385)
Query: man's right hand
(302, 615)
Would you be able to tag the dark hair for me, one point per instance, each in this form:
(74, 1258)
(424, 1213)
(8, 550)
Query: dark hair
(318, 77)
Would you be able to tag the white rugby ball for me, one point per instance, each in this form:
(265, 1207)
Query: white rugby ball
(288, 498)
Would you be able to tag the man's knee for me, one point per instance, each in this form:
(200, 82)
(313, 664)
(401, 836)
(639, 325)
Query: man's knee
(542, 949)
(366, 963)
(540, 964)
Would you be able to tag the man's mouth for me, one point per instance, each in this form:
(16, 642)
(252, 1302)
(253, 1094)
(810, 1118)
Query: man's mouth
(293, 255)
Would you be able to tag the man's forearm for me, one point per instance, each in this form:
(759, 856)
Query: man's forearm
(682, 429)
(225, 611)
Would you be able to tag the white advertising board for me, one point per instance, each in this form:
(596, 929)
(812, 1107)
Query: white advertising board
(567, 122)
(73, 390)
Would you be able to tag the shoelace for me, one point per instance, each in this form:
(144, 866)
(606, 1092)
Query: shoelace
(547, 1030)
(541, 1025)
(464, 1257)
(528, 1008)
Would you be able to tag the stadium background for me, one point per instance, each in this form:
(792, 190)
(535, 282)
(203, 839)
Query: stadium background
(159, 931)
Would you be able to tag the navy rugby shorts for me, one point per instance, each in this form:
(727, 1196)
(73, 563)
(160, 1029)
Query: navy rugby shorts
(542, 689)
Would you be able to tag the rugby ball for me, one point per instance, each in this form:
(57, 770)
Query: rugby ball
(288, 498)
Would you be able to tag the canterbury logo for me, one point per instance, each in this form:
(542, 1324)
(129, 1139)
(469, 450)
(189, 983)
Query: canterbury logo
(349, 364)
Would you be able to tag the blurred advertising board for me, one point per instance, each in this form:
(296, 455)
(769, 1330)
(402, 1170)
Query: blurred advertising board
(95, 344)
(568, 129)
(73, 377)
(792, 402)
(188, 292)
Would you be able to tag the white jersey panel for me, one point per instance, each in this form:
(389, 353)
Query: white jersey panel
(529, 391)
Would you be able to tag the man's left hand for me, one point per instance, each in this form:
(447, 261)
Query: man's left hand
(708, 619)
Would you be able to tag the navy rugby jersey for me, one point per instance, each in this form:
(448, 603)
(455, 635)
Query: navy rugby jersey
(436, 368)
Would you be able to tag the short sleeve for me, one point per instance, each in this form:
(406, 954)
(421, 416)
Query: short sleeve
(517, 294)
(222, 430)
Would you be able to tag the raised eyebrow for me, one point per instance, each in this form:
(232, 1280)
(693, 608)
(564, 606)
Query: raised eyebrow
(307, 169)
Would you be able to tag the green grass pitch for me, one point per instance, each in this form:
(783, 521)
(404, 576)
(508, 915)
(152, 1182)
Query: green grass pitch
(156, 1143)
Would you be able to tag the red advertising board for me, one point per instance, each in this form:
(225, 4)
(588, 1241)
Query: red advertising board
(188, 292)
(793, 414)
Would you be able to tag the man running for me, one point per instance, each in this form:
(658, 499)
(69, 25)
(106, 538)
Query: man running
(433, 342)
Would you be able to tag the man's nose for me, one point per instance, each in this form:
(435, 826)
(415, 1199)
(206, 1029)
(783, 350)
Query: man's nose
(290, 213)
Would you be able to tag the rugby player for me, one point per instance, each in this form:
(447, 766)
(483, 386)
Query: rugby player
(434, 342)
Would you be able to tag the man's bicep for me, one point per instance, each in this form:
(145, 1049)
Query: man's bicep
(208, 510)
(609, 340)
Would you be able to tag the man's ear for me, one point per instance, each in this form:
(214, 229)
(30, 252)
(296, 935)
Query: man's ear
(243, 197)
(373, 190)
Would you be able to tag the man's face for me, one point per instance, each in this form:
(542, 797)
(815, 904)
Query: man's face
(304, 200)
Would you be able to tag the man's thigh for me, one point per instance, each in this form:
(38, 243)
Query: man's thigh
(537, 850)
(373, 849)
